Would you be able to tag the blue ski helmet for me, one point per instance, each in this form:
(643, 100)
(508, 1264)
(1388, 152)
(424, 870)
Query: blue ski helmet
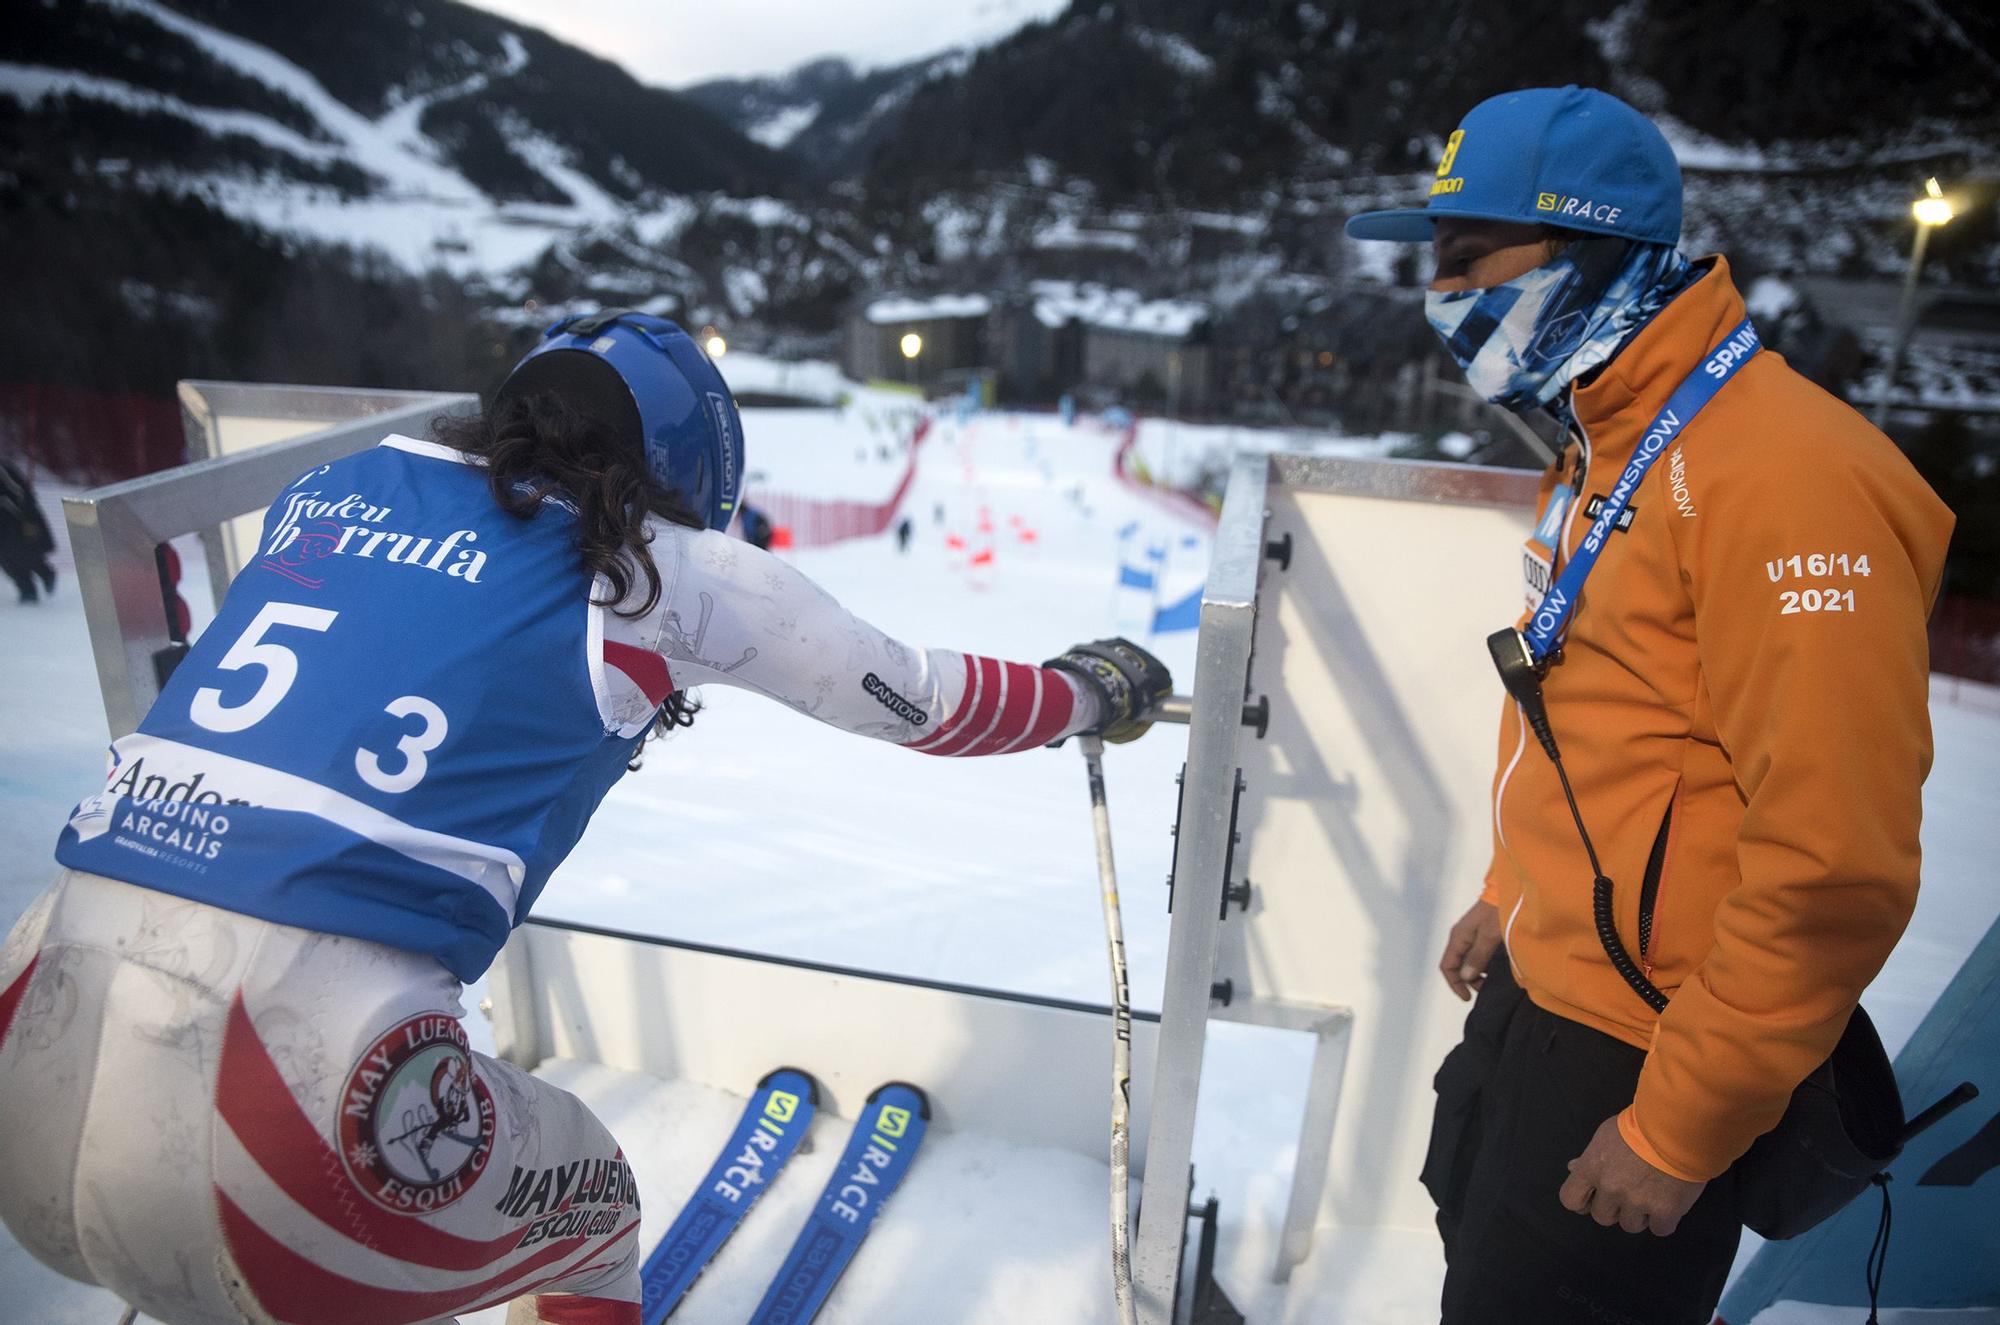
(649, 381)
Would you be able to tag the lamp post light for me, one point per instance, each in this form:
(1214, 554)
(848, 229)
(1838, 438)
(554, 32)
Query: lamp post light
(1932, 210)
(911, 345)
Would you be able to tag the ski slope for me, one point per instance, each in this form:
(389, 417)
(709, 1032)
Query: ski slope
(760, 829)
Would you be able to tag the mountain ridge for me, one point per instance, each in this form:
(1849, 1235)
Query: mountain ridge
(1202, 150)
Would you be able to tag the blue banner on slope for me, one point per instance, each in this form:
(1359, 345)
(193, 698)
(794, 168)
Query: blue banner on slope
(1945, 1244)
(773, 1123)
(1182, 615)
(885, 1140)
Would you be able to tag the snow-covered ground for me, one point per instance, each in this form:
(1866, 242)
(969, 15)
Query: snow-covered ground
(756, 829)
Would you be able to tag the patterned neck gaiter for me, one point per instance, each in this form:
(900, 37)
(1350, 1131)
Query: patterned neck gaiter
(1521, 342)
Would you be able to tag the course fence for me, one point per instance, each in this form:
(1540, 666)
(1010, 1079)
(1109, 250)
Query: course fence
(819, 521)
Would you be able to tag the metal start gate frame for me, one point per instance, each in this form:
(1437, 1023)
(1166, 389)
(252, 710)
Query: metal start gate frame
(1337, 752)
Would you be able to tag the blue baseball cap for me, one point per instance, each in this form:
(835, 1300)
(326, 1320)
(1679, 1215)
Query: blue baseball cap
(1564, 156)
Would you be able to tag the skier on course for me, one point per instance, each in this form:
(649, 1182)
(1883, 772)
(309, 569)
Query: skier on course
(227, 1025)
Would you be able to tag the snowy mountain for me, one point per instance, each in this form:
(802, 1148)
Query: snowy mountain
(256, 183)
(427, 96)
(428, 130)
(1215, 98)
(826, 116)
(271, 188)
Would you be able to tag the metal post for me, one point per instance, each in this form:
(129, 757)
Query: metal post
(1221, 676)
(1905, 319)
(1332, 1036)
(1332, 1029)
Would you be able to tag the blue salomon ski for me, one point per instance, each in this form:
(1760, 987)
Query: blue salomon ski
(885, 1140)
(774, 1122)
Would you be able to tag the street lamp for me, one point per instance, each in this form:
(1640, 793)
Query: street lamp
(715, 345)
(911, 345)
(1932, 210)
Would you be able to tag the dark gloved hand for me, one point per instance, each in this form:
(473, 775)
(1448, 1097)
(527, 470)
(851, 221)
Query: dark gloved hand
(1127, 679)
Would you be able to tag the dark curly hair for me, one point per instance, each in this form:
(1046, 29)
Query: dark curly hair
(537, 445)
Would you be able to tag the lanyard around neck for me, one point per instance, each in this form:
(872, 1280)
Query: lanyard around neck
(1544, 632)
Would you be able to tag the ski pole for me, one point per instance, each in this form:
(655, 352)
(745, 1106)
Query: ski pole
(1121, 1043)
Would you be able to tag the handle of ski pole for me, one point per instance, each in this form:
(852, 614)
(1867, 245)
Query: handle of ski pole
(1174, 708)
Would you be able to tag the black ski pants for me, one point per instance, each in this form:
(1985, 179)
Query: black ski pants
(1518, 1099)
(23, 568)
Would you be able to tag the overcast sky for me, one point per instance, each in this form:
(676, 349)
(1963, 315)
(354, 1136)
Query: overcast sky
(672, 43)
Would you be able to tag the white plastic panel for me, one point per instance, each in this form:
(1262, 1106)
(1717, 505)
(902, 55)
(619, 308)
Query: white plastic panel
(1365, 820)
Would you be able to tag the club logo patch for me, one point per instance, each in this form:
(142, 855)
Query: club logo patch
(416, 1122)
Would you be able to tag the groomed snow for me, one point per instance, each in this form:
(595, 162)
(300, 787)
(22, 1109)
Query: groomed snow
(931, 1251)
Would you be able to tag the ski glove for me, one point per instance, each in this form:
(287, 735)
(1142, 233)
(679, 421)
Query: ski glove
(1127, 680)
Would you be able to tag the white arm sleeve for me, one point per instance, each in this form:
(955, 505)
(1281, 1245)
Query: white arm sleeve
(732, 614)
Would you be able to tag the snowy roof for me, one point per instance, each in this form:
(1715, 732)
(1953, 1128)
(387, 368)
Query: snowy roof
(1064, 233)
(1059, 302)
(924, 310)
(1156, 317)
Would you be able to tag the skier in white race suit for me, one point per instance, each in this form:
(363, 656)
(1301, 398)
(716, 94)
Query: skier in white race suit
(235, 1080)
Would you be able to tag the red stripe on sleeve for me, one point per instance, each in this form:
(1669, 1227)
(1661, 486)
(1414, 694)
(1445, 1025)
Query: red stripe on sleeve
(1058, 709)
(1017, 714)
(648, 670)
(967, 703)
(975, 720)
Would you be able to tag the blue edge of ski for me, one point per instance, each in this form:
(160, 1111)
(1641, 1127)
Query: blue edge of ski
(885, 1140)
(773, 1123)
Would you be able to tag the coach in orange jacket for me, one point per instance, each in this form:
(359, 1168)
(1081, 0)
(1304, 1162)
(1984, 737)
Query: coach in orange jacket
(1740, 696)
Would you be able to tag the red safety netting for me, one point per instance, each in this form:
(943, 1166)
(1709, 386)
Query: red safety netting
(90, 437)
(1965, 639)
(818, 521)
